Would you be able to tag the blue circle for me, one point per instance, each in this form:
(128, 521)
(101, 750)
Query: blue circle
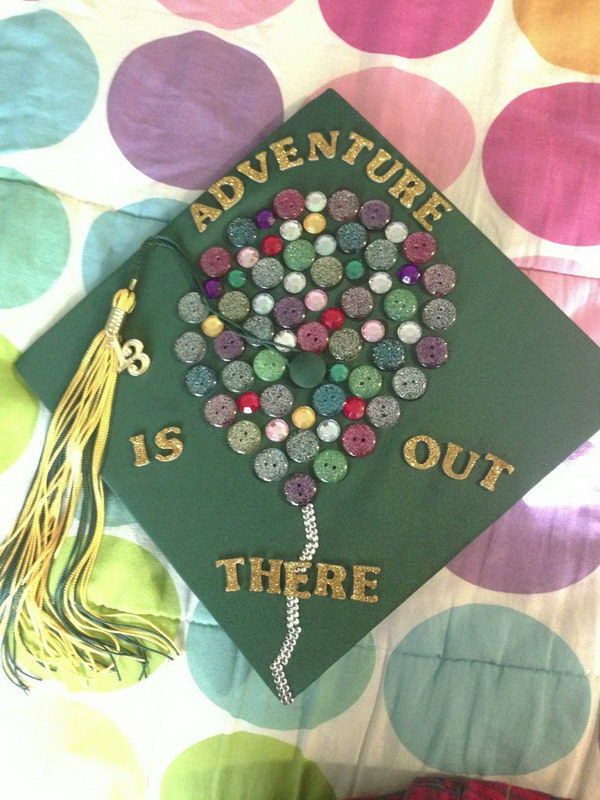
(49, 80)
(116, 235)
(486, 690)
(226, 677)
(328, 399)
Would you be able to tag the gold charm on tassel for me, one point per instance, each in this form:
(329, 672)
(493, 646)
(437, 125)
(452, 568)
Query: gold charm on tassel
(45, 623)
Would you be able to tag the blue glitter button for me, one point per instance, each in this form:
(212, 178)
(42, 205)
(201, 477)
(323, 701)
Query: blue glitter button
(242, 231)
(351, 237)
(328, 399)
(200, 380)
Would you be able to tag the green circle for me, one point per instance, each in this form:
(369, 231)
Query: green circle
(365, 381)
(299, 255)
(338, 372)
(243, 766)
(400, 304)
(18, 407)
(269, 364)
(330, 466)
(354, 270)
(234, 306)
(35, 239)
(307, 370)
(236, 278)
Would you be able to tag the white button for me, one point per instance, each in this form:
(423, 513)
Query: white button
(328, 430)
(290, 230)
(409, 332)
(396, 232)
(285, 341)
(325, 245)
(294, 282)
(380, 282)
(315, 201)
(263, 303)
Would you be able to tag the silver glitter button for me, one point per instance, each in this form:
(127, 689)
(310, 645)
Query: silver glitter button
(220, 411)
(409, 383)
(343, 205)
(190, 347)
(381, 254)
(276, 400)
(302, 446)
(244, 437)
(294, 282)
(327, 271)
(345, 344)
(357, 302)
(315, 201)
(270, 465)
(200, 380)
(396, 232)
(267, 273)
(409, 332)
(263, 302)
(260, 327)
(328, 430)
(439, 315)
(383, 411)
(192, 308)
(290, 230)
(285, 341)
(237, 376)
(325, 244)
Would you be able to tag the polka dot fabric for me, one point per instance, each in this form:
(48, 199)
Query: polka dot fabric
(490, 668)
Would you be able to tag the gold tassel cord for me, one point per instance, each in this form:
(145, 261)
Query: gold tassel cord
(47, 623)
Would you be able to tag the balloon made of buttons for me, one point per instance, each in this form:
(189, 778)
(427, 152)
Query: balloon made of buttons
(264, 308)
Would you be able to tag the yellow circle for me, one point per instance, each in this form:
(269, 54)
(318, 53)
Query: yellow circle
(303, 417)
(212, 326)
(314, 223)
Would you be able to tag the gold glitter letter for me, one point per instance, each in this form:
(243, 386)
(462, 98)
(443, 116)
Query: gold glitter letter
(200, 212)
(273, 574)
(317, 141)
(452, 451)
(139, 450)
(433, 452)
(224, 199)
(332, 576)
(380, 158)
(407, 188)
(231, 574)
(294, 578)
(172, 444)
(361, 582)
(431, 209)
(359, 142)
(284, 152)
(258, 176)
(498, 467)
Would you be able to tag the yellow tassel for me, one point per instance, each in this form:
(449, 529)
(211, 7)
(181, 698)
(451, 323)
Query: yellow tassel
(54, 626)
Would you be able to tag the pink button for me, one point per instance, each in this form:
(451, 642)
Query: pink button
(312, 337)
(315, 300)
(276, 430)
(247, 257)
(288, 204)
(359, 440)
(373, 330)
(215, 262)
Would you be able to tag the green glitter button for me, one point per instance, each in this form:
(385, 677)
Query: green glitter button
(354, 270)
(269, 365)
(234, 306)
(345, 344)
(365, 381)
(327, 271)
(307, 370)
(400, 304)
(236, 278)
(244, 437)
(338, 372)
(299, 255)
(330, 466)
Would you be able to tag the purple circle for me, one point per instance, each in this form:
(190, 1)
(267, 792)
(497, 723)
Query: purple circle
(265, 218)
(229, 345)
(299, 489)
(289, 312)
(439, 280)
(419, 247)
(409, 274)
(220, 411)
(182, 109)
(313, 337)
(432, 351)
(213, 288)
(375, 214)
(359, 440)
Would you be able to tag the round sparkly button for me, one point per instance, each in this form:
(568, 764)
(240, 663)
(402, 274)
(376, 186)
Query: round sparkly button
(328, 399)
(345, 344)
(439, 314)
(200, 380)
(299, 255)
(333, 318)
(285, 340)
(354, 408)
(373, 330)
(212, 326)
(236, 278)
(242, 231)
(381, 254)
(289, 312)
(328, 430)
(343, 205)
(302, 446)
(192, 308)
(215, 262)
(380, 282)
(265, 218)
(213, 288)
(300, 489)
(267, 273)
(315, 300)
(270, 464)
(315, 201)
(327, 271)
(248, 403)
(234, 306)
(220, 411)
(325, 245)
(271, 245)
(383, 411)
(351, 237)
(354, 270)
(357, 302)
(244, 437)
(190, 347)
(276, 430)
(314, 223)
(304, 417)
(269, 364)
(247, 257)
(290, 230)
(409, 383)
(359, 440)
(312, 337)
(400, 304)
(331, 466)
(419, 247)
(294, 282)
(229, 345)
(307, 370)
(237, 376)
(263, 303)
(409, 274)
(365, 381)
(338, 372)
(276, 400)
(409, 332)
(388, 354)
(375, 214)
(439, 280)
(288, 204)
(432, 351)
(396, 232)
(260, 329)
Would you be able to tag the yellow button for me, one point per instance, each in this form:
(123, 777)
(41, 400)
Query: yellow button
(212, 326)
(303, 417)
(314, 223)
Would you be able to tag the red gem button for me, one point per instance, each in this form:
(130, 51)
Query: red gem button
(272, 245)
(248, 402)
(333, 318)
(354, 407)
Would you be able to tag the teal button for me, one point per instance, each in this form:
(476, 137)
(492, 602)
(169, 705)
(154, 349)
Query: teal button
(307, 370)
(354, 270)
(330, 466)
(338, 372)
(236, 278)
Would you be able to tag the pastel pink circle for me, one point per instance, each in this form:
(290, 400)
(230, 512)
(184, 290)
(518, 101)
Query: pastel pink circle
(373, 330)
(540, 160)
(409, 28)
(315, 300)
(423, 120)
(227, 14)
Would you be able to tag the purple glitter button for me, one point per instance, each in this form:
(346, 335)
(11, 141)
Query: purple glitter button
(288, 204)
(220, 411)
(300, 489)
(439, 280)
(343, 205)
(359, 440)
(289, 311)
(375, 214)
(213, 288)
(229, 345)
(432, 351)
(215, 262)
(313, 337)
(419, 247)
(265, 218)
(409, 274)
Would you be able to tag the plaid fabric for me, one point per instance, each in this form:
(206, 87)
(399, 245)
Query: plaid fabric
(440, 788)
